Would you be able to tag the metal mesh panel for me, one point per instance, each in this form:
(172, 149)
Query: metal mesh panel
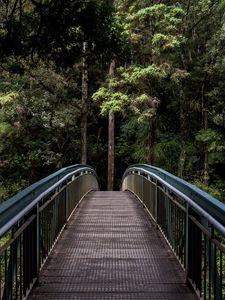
(196, 239)
(111, 250)
(25, 247)
(149, 194)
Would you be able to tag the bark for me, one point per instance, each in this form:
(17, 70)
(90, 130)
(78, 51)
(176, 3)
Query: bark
(111, 138)
(184, 133)
(205, 126)
(84, 106)
(151, 142)
(111, 155)
(182, 160)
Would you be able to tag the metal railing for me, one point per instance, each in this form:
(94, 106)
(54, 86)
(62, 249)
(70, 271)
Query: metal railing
(31, 222)
(192, 221)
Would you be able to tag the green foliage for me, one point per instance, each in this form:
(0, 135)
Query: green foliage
(167, 154)
(170, 13)
(217, 189)
(157, 28)
(133, 142)
(163, 42)
(172, 83)
(11, 187)
(151, 72)
(215, 143)
(7, 98)
(130, 91)
(167, 92)
(39, 123)
(5, 129)
(110, 102)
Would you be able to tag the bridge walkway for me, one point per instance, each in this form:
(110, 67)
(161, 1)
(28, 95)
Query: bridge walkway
(111, 250)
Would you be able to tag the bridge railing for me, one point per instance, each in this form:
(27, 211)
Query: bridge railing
(192, 221)
(31, 222)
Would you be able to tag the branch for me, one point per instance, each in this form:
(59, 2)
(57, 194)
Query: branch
(203, 17)
(36, 3)
(42, 84)
(11, 17)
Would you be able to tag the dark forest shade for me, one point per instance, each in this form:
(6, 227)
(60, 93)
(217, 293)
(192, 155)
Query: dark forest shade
(167, 93)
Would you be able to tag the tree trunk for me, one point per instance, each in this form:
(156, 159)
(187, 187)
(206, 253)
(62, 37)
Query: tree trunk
(150, 158)
(111, 145)
(111, 138)
(205, 126)
(84, 106)
(182, 160)
(184, 133)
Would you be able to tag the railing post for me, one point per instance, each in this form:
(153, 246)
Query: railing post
(186, 240)
(216, 284)
(194, 239)
(65, 214)
(38, 239)
(156, 201)
(169, 217)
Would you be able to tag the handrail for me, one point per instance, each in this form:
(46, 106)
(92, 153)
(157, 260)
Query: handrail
(205, 204)
(192, 222)
(17, 203)
(34, 194)
(202, 201)
(31, 223)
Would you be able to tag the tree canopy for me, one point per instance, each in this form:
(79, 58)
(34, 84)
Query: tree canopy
(167, 93)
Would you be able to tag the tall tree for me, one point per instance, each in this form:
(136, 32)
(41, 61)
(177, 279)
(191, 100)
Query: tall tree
(84, 105)
(111, 137)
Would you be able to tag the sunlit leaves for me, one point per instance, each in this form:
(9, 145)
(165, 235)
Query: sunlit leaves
(7, 98)
(129, 92)
(148, 73)
(110, 101)
(161, 25)
(163, 42)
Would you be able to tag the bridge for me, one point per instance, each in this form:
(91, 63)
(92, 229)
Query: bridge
(158, 238)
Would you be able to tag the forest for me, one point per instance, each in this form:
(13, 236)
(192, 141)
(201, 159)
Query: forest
(156, 67)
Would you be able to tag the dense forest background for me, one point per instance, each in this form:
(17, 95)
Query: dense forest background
(167, 93)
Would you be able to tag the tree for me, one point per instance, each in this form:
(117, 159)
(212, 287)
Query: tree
(84, 106)
(111, 137)
(167, 92)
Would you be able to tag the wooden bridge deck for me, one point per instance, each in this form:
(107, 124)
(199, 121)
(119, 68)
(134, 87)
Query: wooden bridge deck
(111, 250)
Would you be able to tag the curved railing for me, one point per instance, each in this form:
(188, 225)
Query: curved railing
(31, 222)
(192, 221)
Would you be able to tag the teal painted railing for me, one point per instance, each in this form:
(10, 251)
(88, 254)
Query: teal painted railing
(192, 221)
(30, 223)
